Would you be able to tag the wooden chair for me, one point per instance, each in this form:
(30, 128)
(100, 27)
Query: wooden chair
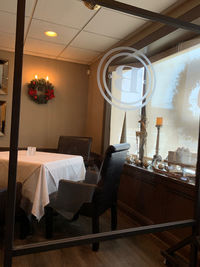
(93, 196)
(76, 145)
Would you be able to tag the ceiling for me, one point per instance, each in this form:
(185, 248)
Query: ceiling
(83, 34)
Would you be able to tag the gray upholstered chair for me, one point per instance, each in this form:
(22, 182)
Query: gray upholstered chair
(93, 196)
(76, 145)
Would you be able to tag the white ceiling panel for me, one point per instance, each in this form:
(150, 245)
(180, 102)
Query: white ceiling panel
(43, 47)
(38, 27)
(11, 6)
(8, 22)
(71, 13)
(7, 40)
(153, 5)
(78, 54)
(93, 41)
(83, 34)
(113, 24)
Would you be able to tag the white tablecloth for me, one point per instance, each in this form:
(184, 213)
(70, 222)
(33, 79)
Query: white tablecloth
(40, 175)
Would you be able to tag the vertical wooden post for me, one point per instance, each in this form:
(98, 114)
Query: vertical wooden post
(10, 206)
(196, 228)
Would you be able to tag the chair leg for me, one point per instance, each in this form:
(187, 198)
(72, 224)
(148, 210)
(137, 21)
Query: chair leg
(49, 222)
(95, 230)
(114, 217)
(25, 224)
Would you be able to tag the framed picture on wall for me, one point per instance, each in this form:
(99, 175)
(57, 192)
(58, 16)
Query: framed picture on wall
(3, 77)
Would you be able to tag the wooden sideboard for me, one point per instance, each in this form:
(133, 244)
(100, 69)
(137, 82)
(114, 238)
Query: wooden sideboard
(150, 198)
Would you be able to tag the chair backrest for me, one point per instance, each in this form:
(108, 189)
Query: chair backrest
(112, 166)
(75, 145)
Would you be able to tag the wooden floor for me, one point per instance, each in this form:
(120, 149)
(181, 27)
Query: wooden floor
(138, 251)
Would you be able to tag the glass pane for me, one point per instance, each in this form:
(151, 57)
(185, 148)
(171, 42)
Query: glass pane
(127, 86)
(177, 101)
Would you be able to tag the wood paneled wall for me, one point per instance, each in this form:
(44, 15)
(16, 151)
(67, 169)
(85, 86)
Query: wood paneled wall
(151, 198)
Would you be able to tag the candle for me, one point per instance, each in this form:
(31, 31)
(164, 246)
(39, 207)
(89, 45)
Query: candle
(36, 76)
(159, 121)
(47, 78)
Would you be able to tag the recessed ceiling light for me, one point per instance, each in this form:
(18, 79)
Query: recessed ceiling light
(51, 34)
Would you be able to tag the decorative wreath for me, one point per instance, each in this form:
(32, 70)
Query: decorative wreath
(40, 91)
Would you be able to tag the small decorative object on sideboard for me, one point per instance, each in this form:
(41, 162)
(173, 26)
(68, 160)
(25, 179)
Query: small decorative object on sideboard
(130, 159)
(145, 164)
(182, 156)
(40, 90)
(137, 162)
(161, 166)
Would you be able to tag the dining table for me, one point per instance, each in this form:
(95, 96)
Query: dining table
(39, 175)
